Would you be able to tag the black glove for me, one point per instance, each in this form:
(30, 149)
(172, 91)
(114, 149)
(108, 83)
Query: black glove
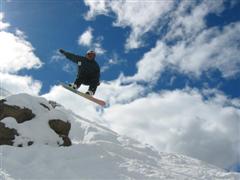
(61, 51)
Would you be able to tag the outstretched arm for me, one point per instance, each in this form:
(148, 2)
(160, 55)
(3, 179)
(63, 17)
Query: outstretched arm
(74, 58)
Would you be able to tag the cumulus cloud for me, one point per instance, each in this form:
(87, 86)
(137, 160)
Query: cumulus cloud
(96, 8)
(57, 56)
(140, 16)
(20, 84)
(194, 48)
(16, 54)
(3, 25)
(97, 47)
(213, 48)
(188, 18)
(87, 39)
(151, 65)
(112, 61)
(182, 121)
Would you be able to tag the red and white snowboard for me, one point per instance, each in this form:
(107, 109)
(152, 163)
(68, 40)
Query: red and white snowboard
(91, 98)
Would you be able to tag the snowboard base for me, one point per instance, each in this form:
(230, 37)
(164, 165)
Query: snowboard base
(91, 98)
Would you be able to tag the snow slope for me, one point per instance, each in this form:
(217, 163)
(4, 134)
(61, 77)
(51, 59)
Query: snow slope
(96, 153)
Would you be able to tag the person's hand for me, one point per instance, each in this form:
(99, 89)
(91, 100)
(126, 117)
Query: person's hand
(61, 51)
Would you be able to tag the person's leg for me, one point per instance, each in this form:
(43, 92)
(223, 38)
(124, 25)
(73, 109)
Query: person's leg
(92, 87)
(78, 82)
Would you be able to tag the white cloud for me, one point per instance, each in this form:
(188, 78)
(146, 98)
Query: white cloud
(188, 19)
(16, 54)
(196, 49)
(113, 60)
(97, 47)
(181, 121)
(69, 68)
(151, 65)
(86, 38)
(57, 56)
(20, 84)
(140, 16)
(3, 25)
(211, 49)
(96, 8)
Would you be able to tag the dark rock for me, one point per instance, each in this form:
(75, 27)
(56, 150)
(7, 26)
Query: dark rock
(2, 101)
(30, 143)
(45, 106)
(66, 141)
(20, 114)
(54, 104)
(62, 129)
(7, 135)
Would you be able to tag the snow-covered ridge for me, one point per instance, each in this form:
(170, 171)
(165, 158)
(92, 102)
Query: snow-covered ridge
(96, 151)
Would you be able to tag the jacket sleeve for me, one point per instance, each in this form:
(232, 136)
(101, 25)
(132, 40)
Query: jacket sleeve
(74, 58)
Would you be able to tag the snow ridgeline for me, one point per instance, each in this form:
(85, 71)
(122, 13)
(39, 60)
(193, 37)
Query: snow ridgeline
(96, 152)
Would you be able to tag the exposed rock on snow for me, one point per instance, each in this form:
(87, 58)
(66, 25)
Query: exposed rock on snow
(7, 135)
(20, 114)
(62, 129)
(20, 126)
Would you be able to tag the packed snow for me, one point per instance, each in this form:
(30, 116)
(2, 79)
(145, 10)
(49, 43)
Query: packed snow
(96, 151)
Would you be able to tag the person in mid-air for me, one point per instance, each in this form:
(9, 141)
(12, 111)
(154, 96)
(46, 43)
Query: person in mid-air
(88, 70)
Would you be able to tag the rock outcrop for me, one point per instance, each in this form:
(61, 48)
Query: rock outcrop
(15, 134)
(20, 114)
(7, 135)
(62, 129)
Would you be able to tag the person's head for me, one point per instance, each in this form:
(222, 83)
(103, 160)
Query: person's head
(91, 55)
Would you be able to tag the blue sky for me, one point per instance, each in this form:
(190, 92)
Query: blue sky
(149, 52)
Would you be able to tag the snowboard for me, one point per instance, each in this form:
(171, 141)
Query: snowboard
(91, 98)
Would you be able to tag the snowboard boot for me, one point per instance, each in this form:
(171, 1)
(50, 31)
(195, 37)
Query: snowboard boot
(72, 85)
(90, 93)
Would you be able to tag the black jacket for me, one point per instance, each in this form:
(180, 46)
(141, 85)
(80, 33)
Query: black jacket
(88, 70)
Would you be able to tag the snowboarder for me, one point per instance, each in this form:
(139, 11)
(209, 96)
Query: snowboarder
(88, 70)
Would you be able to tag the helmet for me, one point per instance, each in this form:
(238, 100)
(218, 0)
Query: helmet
(91, 52)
